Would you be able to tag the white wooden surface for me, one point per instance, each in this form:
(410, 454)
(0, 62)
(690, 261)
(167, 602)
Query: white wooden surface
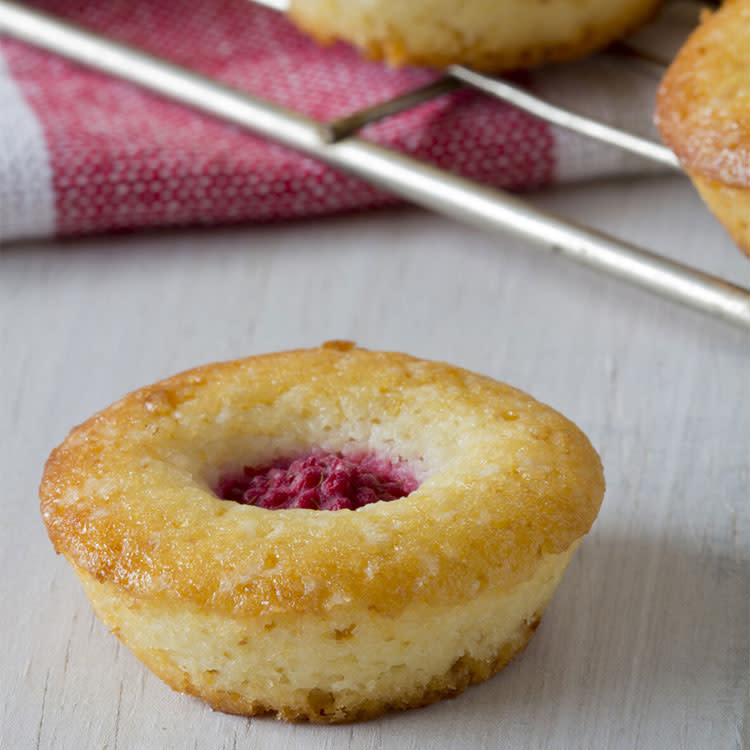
(646, 644)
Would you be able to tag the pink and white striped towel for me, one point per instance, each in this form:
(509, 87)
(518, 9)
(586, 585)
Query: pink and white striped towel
(80, 152)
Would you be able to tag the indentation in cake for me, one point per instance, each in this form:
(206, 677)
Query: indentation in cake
(320, 481)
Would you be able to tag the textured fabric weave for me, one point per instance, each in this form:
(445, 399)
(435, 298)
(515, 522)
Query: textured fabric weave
(103, 155)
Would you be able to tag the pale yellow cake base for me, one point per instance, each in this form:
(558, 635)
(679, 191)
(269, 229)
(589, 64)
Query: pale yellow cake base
(351, 664)
(491, 35)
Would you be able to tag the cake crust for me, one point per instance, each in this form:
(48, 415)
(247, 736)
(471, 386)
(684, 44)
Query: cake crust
(128, 496)
(703, 114)
(703, 105)
(187, 580)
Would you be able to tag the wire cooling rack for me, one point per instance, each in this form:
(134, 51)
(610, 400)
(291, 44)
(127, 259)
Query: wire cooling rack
(337, 144)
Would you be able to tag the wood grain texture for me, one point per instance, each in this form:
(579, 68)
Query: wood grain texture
(647, 642)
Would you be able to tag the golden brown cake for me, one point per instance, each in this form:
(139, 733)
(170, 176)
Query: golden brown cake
(703, 114)
(310, 614)
(491, 35)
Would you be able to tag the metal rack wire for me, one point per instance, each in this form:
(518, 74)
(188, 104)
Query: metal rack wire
(337, 144)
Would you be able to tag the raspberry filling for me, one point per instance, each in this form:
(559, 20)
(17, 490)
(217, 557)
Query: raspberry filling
(320, 481)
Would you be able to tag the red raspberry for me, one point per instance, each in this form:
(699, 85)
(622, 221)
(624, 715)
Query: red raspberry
(319, 481)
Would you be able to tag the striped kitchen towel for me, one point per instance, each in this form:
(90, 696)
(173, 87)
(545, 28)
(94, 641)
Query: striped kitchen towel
(81, 152)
